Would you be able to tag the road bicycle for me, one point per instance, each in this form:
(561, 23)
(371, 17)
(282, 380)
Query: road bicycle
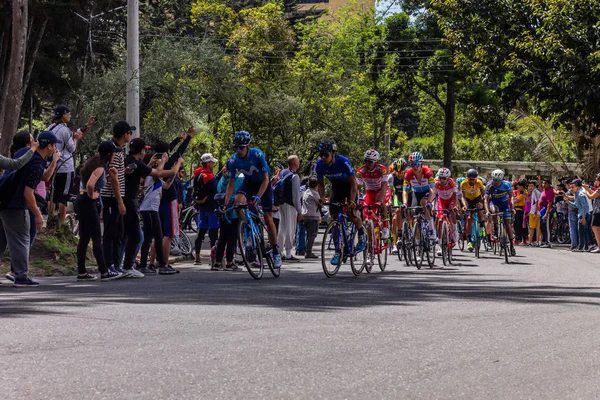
(376, 245)
(478, 233)
(398, 244)
(559, 227)
(252, 243)
(446, 238)
(422, 244)
(500, 236)
(188, 219)
(339, 244)
(182, 243)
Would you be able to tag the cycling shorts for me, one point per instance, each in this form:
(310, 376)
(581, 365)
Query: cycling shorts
(420, 196)
(504, 208)
(371, 198)
(444, 205)
(250, 188)
(473, 203)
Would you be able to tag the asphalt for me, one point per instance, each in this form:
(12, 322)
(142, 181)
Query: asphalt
(481, 329)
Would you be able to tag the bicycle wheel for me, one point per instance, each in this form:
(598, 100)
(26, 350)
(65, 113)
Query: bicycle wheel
(406, 243)
(267, 250)
(370, 252)
(418, 245)
(461, 238)
(477, 243)
(444, 243)
(381, 250)
(430, 251)
(251, 250)
(504, 243)
(332, 248)
(193, 223)
(185, 244)
(398, 246)
(358, 260)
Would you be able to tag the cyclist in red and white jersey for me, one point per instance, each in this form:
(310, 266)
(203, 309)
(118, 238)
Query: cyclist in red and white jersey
(447, 199)
(420, 179)
(375, 178)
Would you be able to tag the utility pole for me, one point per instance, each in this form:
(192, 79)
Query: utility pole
(133, 65)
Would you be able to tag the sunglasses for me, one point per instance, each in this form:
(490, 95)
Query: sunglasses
(369, 162)
(443, 179)
(239, 146)
(414, 165)
(323, 155)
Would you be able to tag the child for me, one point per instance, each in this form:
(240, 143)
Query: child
(311, 215)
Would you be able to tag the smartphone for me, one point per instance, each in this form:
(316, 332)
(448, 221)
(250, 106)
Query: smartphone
(35, 134)
(132, 166)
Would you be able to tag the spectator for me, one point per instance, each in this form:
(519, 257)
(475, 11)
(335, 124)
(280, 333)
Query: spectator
(17, 197)
(311, 215)
(594, 195)
(580, 201)
(520, 222)
(229, 226)
(65, 173)
(535, 234)
(205, 189)
(88, 206)
(291, 208)
(572, 210)
(546, 201)
(301, 229)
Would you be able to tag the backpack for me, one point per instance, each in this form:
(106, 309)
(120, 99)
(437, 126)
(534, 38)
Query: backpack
(199, 192)
(282, 190)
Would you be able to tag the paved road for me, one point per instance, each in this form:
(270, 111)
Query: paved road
(479, 330)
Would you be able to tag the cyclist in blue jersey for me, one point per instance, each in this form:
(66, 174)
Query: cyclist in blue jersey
(256, 186)
(344, 188)
(498, 199)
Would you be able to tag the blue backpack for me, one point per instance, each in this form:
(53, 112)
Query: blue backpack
(282, 190)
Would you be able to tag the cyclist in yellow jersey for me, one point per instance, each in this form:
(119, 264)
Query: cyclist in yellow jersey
(473, 193)
(396, 182)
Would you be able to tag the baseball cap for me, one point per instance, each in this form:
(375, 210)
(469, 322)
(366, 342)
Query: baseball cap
(61, 110)
(108, 147)
(207, 157)
(121, 128)
(137, 145)
(45, 138)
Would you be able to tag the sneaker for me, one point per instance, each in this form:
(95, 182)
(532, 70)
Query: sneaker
(577, 250)
(385, 233)
(231, 267)
(133, 273)
(216, 267)
(301, 253)
(86, 277)
(25, 282)
(290, 259)
(513, 252)
(596, 250)
(213, 255)
(311, 256)
(170, 268)
(118, 269)
(335, 260)
(470, 247)
(110, 276)
(277, 260)
(197, 260)
(438, 250)
(394, 251)
(10, 276)
(545, 245)
(238, 261)
(149, 270)
(165, 270)
(361, 245)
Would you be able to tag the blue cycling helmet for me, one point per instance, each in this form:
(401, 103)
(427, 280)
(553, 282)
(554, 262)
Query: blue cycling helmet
(460, 180)
(242, 137)
(415, 157)
(328, 145)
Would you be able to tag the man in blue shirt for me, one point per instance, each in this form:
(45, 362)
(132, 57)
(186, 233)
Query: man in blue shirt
(18, 196)
(256, 186)
(344, 189)
(581, 203)
(497, 199)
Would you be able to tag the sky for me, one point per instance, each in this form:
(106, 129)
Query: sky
(391, 6)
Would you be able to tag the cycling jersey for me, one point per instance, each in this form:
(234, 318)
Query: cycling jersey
(253, 166)
(372, 179)
(419, 186)
(499, 195)
(396, 182)
(472, 192)
(448, 191)
(338, 173)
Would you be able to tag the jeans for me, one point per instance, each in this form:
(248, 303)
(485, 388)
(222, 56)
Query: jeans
(301, 238)
(583, 232)
(573, 229)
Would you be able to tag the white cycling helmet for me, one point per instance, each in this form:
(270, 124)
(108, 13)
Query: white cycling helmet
(444, 173)
(372, 155)
(498, 175)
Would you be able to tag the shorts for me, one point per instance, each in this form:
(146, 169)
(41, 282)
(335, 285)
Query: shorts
(504, 208)
(169, 218)
(62, 187)
(420, 196)
(595, 219)
(208, 220)
(534, 221)
(444, 205)
(473, 203)
(371, 198)
(250, 188)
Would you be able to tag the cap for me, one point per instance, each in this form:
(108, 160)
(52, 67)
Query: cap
(137, 145)
(207, 157)
(161, 147)
(121, 128)
(61, 110)
(108, 147)
(45, 138)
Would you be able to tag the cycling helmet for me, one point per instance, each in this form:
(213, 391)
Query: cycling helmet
(498, 175)
(328, 145)
(472, 173)
(372, 155)
(242, 137)
(444, 173)
(460, 180)
(415, 157)
(399, 165)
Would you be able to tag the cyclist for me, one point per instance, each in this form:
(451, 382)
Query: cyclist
(498, 197)
(396, 182)
(340, 173)
(251, 163)
(447, 199)
(419, 179)
(473, 193)
(374, 176)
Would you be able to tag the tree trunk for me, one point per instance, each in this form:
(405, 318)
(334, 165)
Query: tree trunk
(13, 94)
(450, 113)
